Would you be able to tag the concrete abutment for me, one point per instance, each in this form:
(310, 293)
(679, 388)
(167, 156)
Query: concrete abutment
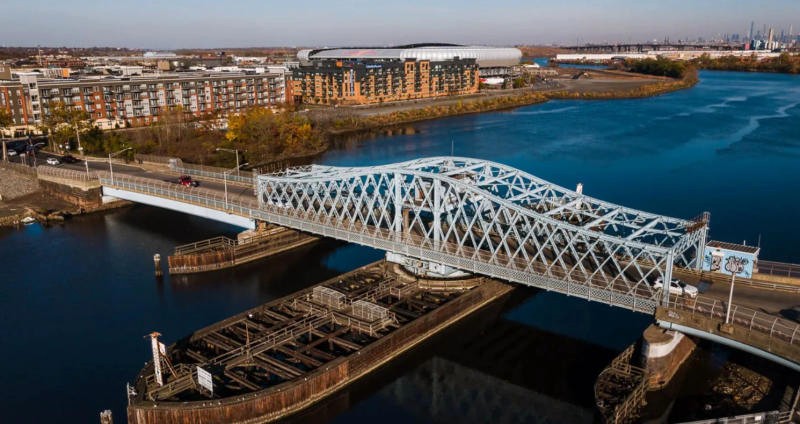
(663, 354)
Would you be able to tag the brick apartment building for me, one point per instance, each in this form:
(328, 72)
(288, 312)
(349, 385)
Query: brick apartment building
(138, 100)
(376, 81)
(367, 75)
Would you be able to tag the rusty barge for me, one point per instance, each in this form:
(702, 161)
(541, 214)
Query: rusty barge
(281, 357)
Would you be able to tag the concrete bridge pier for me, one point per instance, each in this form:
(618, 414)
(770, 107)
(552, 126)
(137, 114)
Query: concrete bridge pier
(663, 353)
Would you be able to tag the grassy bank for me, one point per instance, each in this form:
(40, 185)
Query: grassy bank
(688, 80)
(354, 123)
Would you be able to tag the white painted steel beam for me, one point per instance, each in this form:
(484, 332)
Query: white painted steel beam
(730, 342)
(204, 212)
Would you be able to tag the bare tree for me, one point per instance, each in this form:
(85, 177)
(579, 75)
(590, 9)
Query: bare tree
(63, 122)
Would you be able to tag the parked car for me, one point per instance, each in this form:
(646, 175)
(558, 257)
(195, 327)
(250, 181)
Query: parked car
(677, 287)
(187, 181)
(52, 161)
(69, 159)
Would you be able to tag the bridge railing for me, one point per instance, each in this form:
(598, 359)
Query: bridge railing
(770, 417)
(572, 282)
(775, 327)
(204, 245)
(243, 177)
(762, 330)
(65, 173)
(779, 269)
(163, 160)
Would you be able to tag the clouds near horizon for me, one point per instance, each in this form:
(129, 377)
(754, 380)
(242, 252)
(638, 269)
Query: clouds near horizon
(204, 23)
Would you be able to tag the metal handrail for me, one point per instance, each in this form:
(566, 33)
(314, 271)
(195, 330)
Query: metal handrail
(70, 174)
(214, 172)
(774, 326)
(467, 258)
(553, 278)
(780, 269)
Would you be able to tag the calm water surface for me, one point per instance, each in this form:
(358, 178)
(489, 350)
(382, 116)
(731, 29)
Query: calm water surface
(77, 299)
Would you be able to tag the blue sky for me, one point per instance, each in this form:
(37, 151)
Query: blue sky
(201, 23)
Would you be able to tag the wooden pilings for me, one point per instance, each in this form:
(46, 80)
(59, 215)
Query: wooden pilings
(157, 264)
(106, 418)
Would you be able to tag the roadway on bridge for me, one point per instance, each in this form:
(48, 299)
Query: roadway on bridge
(236, 191)
(775, 302)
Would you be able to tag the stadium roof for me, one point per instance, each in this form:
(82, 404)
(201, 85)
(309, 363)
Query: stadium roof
(486, 56)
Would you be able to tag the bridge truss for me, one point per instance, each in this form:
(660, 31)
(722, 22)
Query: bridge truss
(488, 218)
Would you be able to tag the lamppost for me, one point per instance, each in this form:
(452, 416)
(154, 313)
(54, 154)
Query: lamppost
(730, 299)
(78, 136)
(111, 155)
(225, 181)
(231, 151)
(85, 162)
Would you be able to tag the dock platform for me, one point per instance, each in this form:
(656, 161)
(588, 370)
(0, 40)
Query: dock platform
(280, 357)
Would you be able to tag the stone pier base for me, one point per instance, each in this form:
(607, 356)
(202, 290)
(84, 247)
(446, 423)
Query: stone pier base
(663, 353)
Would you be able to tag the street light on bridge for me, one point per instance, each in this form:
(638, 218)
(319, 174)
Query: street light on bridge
(85, 162)
(231, 151)
(225, 180)
(111, 155)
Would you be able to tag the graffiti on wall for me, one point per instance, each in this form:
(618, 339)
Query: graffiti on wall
(728, 262)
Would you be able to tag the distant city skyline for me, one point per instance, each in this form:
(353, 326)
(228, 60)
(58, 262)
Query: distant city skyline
(215, 24)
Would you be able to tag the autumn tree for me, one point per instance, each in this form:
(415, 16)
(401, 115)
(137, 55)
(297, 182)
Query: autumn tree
(5, 121)
(63, 122)
(269, 135)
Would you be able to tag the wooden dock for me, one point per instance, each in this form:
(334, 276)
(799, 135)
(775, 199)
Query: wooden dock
(222, 252)
(283, 356)
(620, 389)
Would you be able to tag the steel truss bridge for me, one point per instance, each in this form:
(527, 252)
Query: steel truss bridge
(490, 219)
(487, 218)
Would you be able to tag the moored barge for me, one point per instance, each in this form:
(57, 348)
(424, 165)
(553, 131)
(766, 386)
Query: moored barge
(281, 357)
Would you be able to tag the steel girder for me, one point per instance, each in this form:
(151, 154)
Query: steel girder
(492, 213)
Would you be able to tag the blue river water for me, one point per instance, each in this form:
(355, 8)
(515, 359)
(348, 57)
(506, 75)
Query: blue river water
(77, 298)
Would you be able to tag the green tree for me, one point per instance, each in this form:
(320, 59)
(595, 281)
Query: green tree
(63, 122)
(660, 67)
